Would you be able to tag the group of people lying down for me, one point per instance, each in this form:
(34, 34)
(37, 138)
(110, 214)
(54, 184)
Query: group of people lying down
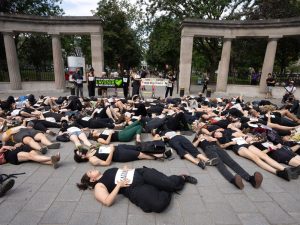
(99, 128)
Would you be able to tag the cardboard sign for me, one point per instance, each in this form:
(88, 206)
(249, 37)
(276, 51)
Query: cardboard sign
(155, 81)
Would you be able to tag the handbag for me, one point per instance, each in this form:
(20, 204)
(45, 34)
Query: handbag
(63, 138)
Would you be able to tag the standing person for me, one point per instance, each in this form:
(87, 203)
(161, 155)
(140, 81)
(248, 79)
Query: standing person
(171, 80)
(205, 83)
(270, 84)
(78, 80)
(136, 82)
(91, 82)
(143, 75)
(126, 82)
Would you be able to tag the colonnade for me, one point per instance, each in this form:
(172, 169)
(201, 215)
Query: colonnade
(271, 29)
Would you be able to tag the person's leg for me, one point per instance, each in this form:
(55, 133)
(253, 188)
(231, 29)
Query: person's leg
(226, 158)
(295, 161)
(167, 91)
(75, 140)
(83, 138)
(81, 92)
(32, 143)
(290, 115)
(266, 158)
(244, 152)
(33, 156)
(128, 134)
(77, 90)
(43, 139)
(171, 91)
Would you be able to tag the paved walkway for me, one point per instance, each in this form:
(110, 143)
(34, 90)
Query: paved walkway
(47, 196)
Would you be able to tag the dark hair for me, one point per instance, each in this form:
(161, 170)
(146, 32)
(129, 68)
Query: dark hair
(85, 183)
(77, 158)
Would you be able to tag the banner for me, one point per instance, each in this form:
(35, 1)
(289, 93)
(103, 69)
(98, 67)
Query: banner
(74, 63)
(109, 82)
(154, 81)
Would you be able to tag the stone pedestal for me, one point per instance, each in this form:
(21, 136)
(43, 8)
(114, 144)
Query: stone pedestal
(12, 62)
(97, 54)
(268, 63)
(58, 62)
(224, 66)
(186, 52)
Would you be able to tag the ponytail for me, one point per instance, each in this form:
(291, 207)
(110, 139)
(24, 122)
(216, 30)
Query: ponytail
(86, 183)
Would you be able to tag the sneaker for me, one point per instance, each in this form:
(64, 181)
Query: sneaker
(44, 150)
(54, 145)
(296, 170)
(212, 162)
(201, 164)
(168, 153)
(190, 179)
(238, 182)
(256, 179)
(6, 186)
(284, 174)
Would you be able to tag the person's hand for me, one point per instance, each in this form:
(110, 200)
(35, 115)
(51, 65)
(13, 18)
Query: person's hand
(18, 145)
(123, 183)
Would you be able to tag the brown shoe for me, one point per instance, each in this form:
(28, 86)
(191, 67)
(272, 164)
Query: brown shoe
(256, 179)
(238, 182)
(55, 159)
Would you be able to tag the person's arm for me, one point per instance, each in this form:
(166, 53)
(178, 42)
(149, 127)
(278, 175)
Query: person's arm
(107, 141)
(106, 198)
(98, 162)
(226, 145)
(196, 142)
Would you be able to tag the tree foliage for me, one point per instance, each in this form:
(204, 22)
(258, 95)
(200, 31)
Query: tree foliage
(28, 45)
(120, 39)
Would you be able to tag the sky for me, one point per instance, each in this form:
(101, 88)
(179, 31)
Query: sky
(81, 7)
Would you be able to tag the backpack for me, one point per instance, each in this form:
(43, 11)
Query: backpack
(153, 147)
(63, 138)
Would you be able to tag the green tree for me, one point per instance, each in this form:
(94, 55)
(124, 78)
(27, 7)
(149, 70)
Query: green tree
(121, 43)
(163, 43)
(27, 44)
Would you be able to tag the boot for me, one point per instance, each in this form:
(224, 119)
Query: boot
(256, 179)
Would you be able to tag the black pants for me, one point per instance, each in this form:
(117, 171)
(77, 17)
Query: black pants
(177, 122)
(152, 190)
(125, 90)
(204, 88)
(43, 125)
(167, 91)
(101, 123)
(183, 146)
(91, 88)
(214, 151)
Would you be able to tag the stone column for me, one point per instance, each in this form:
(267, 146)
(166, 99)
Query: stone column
(12, 62)
(58, 62)
(268, 63)
(97, 53)
(185, 66)
(224, 66)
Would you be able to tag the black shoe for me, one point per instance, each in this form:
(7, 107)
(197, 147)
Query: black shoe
(238, 182)
(285, 174)
(256, 179)
(44, 150)
(212, 162)
(190, 179)
(296, 170)
(54, 145)
(6, 186)
(201, 164)
(168, 153)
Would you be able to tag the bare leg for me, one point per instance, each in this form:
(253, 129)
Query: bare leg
(249, 155)
(32, 143)
(145, 156)
(266, 158)
(202, 157)
(83, 138)
(43, 139)
(191, 159)
(75, 140)
(34, 156)
(295, 161)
